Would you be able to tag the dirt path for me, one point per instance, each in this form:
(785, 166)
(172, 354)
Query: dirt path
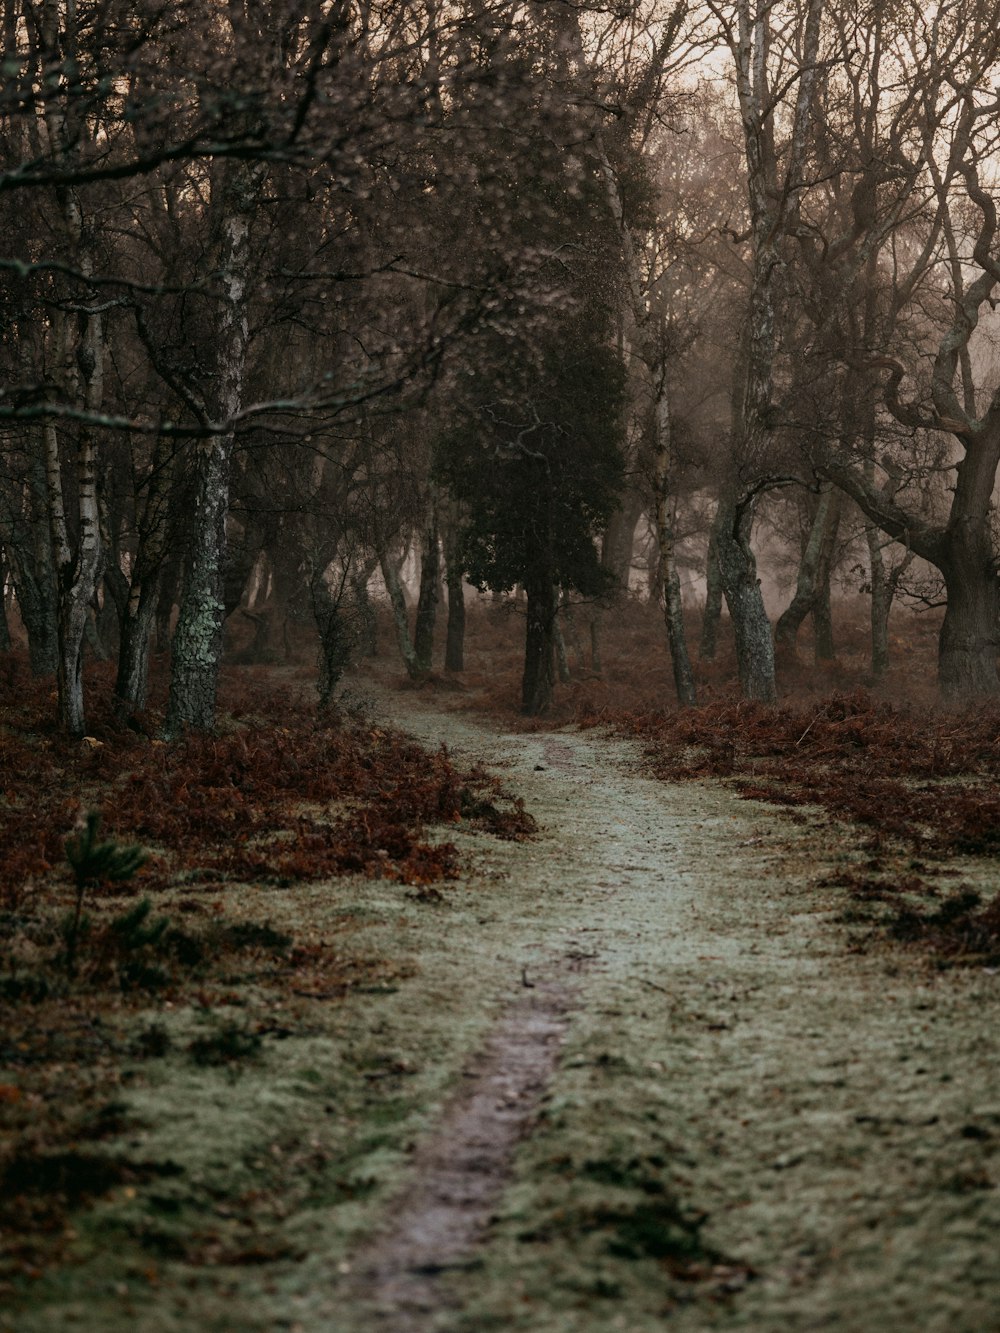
(748, 1124)
(638, 1073)
(460, 1171)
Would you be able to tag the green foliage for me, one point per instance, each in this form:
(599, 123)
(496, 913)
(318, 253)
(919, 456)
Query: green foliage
(538, 465)
(132, 931)
(93, 861)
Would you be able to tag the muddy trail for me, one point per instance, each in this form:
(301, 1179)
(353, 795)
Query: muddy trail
(717, 1108)
(641, 1072)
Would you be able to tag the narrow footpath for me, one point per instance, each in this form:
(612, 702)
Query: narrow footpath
(704, 1102)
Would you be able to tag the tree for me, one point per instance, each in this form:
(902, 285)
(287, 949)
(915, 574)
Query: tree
(901, 269)
(537, 466)
(176, 147)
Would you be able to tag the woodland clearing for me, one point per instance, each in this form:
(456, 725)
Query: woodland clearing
(744, 1103)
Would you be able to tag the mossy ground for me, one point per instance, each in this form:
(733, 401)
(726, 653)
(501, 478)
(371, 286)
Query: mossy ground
(758, 1121)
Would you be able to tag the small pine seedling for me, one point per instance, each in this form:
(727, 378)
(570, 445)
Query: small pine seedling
(92, 861)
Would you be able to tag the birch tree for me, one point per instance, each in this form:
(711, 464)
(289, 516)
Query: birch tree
(774, 52)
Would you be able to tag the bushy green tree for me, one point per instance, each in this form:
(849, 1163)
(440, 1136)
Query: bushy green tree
(537, 462)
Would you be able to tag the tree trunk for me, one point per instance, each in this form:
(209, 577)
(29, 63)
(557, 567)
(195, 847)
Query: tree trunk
(454, 646)
(93, 633)
(146, 586)
(537, 681)
(76, 570)
(5, 640)
(167, 594)
(713, 604)
(334, 638)
(570, 631)
(822, 618)
(967, 648)
(807, 588)
(196, 648)
(132, 679)
(197, 642)
(367, 620)
(241, 558)
(289, 584)
(883, 593)
(880, 602)
(741, 587)
(400, 617)
(619, 537)
(33, 577)
(822, 612)
(673, 607)
(562, 658)
(427, 601)
(596, 665)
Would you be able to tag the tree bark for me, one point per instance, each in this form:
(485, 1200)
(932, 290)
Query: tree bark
(673, 607)
(196, 648)
(808, 587)
(883, 592)
(143, 589)
(6, 642)
(76, 573)
(537, 680)
(562, 657)
(400, 616)
(713, 603)
(335, 637)
(880, 603)
(427, 600)
(454, 644)
(619, 538)
(822, 618)
(967, 650)
(29, 553)
(367, 635)
(197, 642)
(741, 587)
(454, 647)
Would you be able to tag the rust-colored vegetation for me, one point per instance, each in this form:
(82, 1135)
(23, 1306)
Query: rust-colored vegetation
(920, 781)
(284, 796)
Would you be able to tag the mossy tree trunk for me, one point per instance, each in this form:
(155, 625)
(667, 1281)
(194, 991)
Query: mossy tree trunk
(197, 641)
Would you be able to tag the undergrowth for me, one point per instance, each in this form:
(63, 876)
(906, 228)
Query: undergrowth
(919, 780)
(280, 797)
(284, 795)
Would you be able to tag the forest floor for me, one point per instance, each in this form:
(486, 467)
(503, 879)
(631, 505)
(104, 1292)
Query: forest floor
(661, 1064)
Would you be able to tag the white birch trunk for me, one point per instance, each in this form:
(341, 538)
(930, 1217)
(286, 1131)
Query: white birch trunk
(196, 649)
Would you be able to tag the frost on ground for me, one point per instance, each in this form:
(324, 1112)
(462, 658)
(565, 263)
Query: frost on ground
(754, 1124)
(635, 1074)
